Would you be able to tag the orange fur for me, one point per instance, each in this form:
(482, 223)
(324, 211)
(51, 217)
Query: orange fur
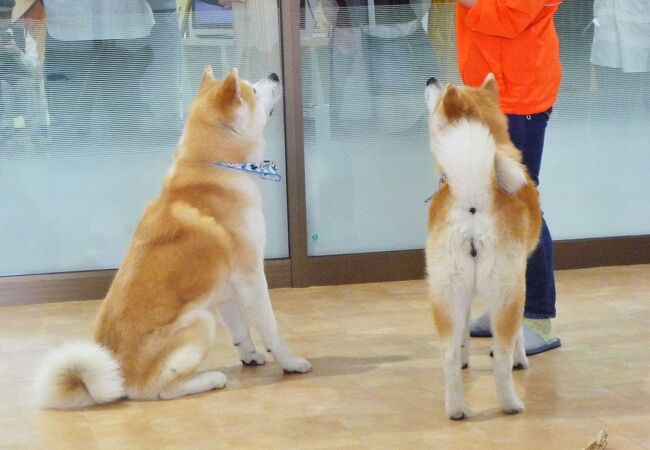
(442, 320)
(508, 320)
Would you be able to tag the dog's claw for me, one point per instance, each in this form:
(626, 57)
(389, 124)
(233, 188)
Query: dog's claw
(251, 363)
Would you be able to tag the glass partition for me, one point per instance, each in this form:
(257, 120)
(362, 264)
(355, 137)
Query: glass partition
(92, 104)
(368, 165)
(595, 172)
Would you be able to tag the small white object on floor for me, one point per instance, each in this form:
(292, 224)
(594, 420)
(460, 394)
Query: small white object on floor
(600, 442)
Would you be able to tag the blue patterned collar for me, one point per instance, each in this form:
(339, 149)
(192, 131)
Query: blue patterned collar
(267, 170)
(441, 181)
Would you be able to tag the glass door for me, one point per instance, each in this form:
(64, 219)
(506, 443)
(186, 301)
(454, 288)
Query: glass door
(368, 168)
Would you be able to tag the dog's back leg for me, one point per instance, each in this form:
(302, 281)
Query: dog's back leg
(187, 349)
(195, 384)
(466, 342)
(520, 358)
(450, 314)
(239, 331)
(506, 322)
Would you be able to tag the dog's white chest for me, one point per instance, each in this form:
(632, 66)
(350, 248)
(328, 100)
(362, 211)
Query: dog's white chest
(255, 227)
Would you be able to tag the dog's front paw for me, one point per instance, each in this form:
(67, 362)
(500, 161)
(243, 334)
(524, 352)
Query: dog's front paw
(514, 406)
(297, 365)
(520, 363)
(455, 406)
(253, 358)
(458, 412)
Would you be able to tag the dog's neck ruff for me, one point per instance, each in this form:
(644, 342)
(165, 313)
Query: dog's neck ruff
(267, 170)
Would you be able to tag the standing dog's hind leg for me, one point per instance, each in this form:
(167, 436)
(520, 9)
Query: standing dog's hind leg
(520, 359)
(506, 328)
(451, 327)
(466, 342)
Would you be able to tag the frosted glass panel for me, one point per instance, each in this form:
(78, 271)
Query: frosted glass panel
(90, 115)
(368, 166)
(595, 171)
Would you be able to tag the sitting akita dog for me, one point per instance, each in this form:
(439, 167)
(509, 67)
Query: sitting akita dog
(197, 251)
(484, 221)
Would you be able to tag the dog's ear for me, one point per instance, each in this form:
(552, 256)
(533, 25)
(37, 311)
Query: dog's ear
(207, 77)
(451, 101)
(490, 85)
(230, 90)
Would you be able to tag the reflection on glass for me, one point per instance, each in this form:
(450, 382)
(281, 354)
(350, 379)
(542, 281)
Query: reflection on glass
(92, 101)
(368, 168)
(595, 155)
(23, 110)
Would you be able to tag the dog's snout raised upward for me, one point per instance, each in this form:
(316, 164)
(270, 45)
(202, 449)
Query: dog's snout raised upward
(274, 77)
(431, 81)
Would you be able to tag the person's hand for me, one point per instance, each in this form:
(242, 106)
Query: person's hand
(468, 3)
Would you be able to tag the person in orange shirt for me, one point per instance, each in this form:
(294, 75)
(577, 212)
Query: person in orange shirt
(517, 42)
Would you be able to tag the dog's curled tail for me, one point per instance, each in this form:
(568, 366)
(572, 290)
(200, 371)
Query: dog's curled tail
(471, 161)
(78, 374)
(466, 154)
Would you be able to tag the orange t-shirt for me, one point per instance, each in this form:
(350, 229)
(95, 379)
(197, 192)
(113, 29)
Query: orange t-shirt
(516, 41)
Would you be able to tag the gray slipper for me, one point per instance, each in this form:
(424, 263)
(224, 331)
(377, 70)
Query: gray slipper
(535, 342)
(480, 327)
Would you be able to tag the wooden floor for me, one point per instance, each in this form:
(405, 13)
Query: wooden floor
(376, 383)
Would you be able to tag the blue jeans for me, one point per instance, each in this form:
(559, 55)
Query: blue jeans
(527, 133)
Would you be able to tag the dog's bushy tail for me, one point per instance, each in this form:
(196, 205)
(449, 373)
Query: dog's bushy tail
(466, 153)
(76, 375)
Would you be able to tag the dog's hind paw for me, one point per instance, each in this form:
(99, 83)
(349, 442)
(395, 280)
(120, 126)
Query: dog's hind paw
(296, 365)
(515, 406)
(215, 380)
(521, 362)
(458, 413)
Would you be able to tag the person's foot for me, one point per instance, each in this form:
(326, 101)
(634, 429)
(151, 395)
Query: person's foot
(480, 327)
(538, 337)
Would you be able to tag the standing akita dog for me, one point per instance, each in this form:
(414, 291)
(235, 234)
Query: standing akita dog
(484, 221)
(197, 251)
